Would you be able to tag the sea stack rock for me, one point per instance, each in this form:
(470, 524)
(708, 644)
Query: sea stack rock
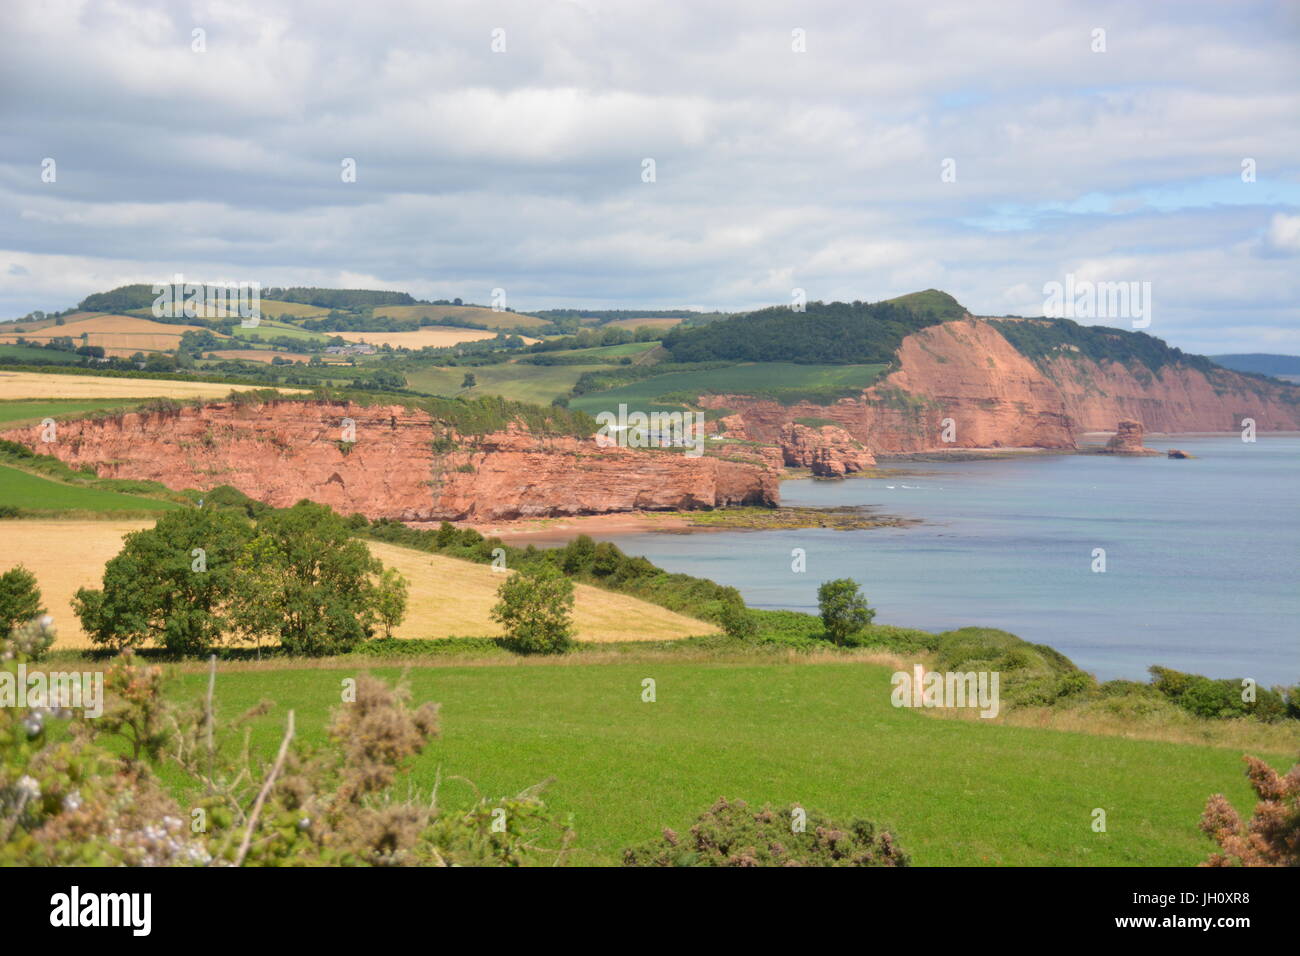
(829, 451)
(1127, 440)
(1177, 453)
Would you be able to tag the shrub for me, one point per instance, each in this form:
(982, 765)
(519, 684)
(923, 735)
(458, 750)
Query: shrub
(1272, 836)
(1209, 698)
(536, 609)
(731, 834)
(738, 622)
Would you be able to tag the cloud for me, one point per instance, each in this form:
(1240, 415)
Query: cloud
(775, 169)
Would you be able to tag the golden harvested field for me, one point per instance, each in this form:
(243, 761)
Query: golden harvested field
(467, 313)
(50, 385)
(452, 598)
(64, 556)
(448, 597)
(654, 323)
(437, 336)
(117, 333)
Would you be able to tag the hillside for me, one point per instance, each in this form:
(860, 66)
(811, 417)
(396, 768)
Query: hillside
(841, 333)
(1030, 383)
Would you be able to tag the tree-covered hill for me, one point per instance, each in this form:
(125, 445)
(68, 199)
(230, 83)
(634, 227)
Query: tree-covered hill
(825, 333)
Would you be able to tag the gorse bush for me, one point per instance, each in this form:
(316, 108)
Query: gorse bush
(75, 791)
(731, 834)
(1272, 835)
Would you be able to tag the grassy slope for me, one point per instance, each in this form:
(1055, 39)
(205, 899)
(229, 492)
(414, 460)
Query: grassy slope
(34, 493)
(822, 734)
(267, 329)
(740, 379)
(14, 412)
(31, 353)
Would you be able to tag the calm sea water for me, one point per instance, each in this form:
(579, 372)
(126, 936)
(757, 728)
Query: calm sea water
(1202, 556)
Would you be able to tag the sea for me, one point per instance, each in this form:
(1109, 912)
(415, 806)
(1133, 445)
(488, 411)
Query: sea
(1119, 563)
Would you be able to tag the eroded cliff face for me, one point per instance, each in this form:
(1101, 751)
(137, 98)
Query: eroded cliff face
(281, 452)
(963, 385)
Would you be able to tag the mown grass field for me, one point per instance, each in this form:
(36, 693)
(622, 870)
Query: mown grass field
(268, 329)
(823, 735)
(538, 384)
(740, 379)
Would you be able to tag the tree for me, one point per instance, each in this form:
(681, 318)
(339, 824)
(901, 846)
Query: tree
(390, 600)
(536, 609)
(844, 609)
(305, 579)
(170, 584)
(20, 599)
(469, 381)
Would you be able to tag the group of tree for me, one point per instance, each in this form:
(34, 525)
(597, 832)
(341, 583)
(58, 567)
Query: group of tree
(201, 576)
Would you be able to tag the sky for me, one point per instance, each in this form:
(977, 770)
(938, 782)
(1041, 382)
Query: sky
(852, 150)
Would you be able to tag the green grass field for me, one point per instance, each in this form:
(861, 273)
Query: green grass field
(740, 379)
(34, 494)
(820, 734)
(15, 411)
(268, 329)
(602, 352)
(538, 384)
(29, 353)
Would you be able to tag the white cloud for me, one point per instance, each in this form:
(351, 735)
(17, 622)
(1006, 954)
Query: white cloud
(775, 169)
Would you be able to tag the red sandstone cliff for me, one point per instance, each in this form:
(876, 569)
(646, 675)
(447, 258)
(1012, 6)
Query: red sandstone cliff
(963, 385)
(281, 452)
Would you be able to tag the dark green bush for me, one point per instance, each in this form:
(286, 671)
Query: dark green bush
(731, 834)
